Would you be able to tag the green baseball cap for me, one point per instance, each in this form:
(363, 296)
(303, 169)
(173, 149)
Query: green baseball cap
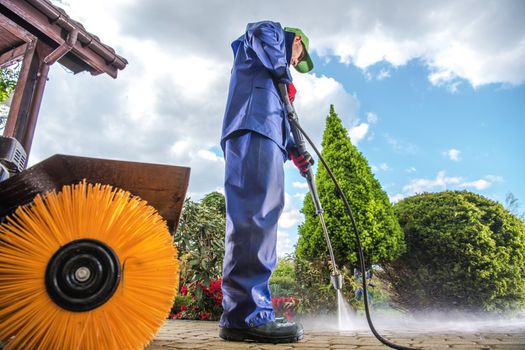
(306, 64)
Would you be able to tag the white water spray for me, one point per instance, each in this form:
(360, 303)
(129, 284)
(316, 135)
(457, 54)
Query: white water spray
(345, 315)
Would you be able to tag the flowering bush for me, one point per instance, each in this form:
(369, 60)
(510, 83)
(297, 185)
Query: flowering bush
(286, 306)
(198, 301)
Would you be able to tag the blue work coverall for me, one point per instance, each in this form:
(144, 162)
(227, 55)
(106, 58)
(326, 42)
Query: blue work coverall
(255, 139)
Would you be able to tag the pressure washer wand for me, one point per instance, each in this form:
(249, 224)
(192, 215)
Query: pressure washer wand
(335, 277)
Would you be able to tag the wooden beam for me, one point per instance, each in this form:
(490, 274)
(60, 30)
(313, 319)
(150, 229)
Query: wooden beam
(15, 29)
(8, 57)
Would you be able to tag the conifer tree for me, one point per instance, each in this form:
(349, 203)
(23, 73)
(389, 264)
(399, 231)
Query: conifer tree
(380, 233)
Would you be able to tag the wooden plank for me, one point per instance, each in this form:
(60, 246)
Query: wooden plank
(12, 55)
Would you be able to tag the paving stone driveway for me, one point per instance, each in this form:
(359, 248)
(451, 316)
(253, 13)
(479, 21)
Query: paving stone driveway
(176, 334)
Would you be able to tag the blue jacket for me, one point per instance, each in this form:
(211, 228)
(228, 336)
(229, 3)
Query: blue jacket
(261, 61)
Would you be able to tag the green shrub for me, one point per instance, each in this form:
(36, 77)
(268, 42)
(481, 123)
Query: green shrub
(8, 80)
(316, 293)
(282, 282)
(464, 251)
(381, 236)
(200, 239)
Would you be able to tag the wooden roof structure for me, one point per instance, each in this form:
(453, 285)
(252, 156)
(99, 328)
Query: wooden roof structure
(40, 34)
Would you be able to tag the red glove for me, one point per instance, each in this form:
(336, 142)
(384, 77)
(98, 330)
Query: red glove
(301, 161)
(291, 92)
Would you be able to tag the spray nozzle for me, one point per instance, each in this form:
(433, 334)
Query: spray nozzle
(337, 280)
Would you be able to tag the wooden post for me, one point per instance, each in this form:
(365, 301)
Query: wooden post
(21, 121)
(15, 126)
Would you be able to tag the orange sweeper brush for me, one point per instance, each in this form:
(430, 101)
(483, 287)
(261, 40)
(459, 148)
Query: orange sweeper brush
(90, 267)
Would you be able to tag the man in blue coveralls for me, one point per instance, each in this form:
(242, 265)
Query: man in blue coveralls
(256, 141)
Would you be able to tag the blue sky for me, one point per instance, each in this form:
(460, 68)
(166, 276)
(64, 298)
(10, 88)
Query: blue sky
(417, 124)
(431, 93)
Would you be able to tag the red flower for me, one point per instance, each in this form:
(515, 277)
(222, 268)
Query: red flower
(215, 286)
(205, 315)
(176, 316)
(184, 290)
(183, 308)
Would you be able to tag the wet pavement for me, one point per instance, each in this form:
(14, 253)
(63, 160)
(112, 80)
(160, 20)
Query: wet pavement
(177, 334)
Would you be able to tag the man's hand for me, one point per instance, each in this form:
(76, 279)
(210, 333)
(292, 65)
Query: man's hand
(301, 161)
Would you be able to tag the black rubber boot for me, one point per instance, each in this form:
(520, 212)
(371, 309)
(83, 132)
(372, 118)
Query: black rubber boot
(271, 332)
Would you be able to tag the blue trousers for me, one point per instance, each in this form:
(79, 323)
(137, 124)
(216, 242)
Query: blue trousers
(254, 189)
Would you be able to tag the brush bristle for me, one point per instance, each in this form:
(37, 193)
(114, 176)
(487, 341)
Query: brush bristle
(138, 235)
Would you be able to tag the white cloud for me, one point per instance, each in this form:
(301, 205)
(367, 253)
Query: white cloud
(482, 44)
(397, 197)
(453, 154)
(411, 170)
(208, 155)
(371, 118)
(358, 133)
(494, 178)
(300, 196)
(160, 115)
(285, 244)
(383, 74)
(442, 183)
(359, 130)
(380, 167)
(291, 215)
(478, 184)
(315, 94)
(401, 146)
(167, 105)
(300, 185)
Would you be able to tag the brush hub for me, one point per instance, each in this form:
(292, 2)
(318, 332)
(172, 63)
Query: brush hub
(82, 275)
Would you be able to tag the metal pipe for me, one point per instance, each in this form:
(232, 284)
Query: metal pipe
(336, 277)
(337, 281)
(63, 49)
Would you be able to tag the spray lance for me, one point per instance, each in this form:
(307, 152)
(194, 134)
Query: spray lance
(335, 276)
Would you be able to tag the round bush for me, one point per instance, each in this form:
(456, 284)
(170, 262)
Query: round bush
(464, 251)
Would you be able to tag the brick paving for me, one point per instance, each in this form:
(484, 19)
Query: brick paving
(177, 334)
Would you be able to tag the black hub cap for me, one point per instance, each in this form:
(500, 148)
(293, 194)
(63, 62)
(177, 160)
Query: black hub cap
(82, 275)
